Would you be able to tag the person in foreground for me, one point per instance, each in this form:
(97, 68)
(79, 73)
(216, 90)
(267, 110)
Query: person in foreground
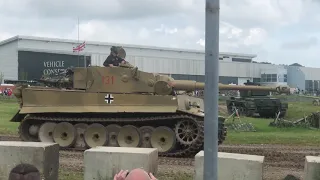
(135, 174)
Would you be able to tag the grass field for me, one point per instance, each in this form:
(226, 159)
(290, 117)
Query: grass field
(69, 175)
(7, 110)
(264, 135)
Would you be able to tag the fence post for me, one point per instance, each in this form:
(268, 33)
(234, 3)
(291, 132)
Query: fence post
(1, 77)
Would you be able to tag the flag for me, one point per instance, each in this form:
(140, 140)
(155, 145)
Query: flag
(80, 47)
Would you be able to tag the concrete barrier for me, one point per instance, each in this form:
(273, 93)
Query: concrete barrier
(105, 162)
(233, 166)
(29, 160)
(312, 168)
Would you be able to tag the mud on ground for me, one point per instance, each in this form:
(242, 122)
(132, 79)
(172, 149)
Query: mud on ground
(280, 160)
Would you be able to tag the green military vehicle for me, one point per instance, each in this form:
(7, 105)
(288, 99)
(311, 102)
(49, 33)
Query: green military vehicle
(115, 106)
(258, 101)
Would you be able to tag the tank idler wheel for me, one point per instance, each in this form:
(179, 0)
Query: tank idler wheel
(81, 128)
(113, 130)
(129, 136)
(146, 132)
(187, 131)
(26, 132)
(163, 138)
(96, 135)
(46, 132)
(65, 134)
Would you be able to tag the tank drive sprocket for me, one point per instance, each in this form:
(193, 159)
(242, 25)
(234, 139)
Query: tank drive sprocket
(187, 131)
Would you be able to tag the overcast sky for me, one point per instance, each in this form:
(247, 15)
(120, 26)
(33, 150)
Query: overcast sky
(278, 31)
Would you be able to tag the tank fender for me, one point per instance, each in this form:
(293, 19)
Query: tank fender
(187, 103)
(191, 105)
(194, 112)
(17, 117)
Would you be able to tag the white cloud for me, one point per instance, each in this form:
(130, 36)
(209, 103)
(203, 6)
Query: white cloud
(5, 35)
(256, 37)
(190, 31)
(166, 30)
(98, 31)
(144, 33)
(273, 29)
(201, 42)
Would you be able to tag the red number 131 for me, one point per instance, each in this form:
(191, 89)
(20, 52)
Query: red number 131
(107, 79)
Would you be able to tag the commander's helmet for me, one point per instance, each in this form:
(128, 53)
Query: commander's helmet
(118, 50)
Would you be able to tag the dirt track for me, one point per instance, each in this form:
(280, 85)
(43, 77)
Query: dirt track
(279, 160)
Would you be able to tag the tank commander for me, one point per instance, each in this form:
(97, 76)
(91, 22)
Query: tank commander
(113, 59)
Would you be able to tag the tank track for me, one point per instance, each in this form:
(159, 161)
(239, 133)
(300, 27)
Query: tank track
(185, 151)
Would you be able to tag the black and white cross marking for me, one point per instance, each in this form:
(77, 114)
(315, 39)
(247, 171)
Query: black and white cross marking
(108, 98)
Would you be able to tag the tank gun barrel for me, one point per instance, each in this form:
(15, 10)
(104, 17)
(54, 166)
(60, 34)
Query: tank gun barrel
(280, 89)
(188, 85)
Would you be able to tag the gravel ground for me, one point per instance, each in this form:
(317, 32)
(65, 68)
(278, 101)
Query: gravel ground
(280, 161)
(276, 167)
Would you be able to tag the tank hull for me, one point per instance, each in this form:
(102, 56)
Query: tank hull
(74, 119)
(266, 107)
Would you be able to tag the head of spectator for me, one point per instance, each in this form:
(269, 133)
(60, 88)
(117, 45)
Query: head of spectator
(135, 174)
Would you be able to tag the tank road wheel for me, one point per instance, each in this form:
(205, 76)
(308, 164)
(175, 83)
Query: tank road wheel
(81, 128)
(113, 131)
(187, 131)
(241, 110)
(163, 138)
(28, 132)
(129, 136)
(146, 132)
(46, 132)
(34, 130)
(96, 135)
(249, 113)
(230, 110)
(65, 134)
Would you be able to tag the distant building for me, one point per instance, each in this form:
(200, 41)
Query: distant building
(27, 58)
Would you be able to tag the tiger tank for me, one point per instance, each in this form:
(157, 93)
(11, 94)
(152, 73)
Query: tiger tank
(115, 106)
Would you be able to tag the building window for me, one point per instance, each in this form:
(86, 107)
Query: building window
(309, 85)
(256, 79)
(285, 77)
(282, 77)
(316, 84)
(268, 77)
(273, 77)
(312, 85)
(263, 78)
(241, 60)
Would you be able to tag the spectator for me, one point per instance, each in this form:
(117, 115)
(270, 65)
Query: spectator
(9, 92)
(135, 174)
(5, 92)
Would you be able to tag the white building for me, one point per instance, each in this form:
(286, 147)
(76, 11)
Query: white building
(24, 57)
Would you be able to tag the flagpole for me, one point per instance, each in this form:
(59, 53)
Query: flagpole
(78, 42)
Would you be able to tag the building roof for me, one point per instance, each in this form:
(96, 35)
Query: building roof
(19, 37)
